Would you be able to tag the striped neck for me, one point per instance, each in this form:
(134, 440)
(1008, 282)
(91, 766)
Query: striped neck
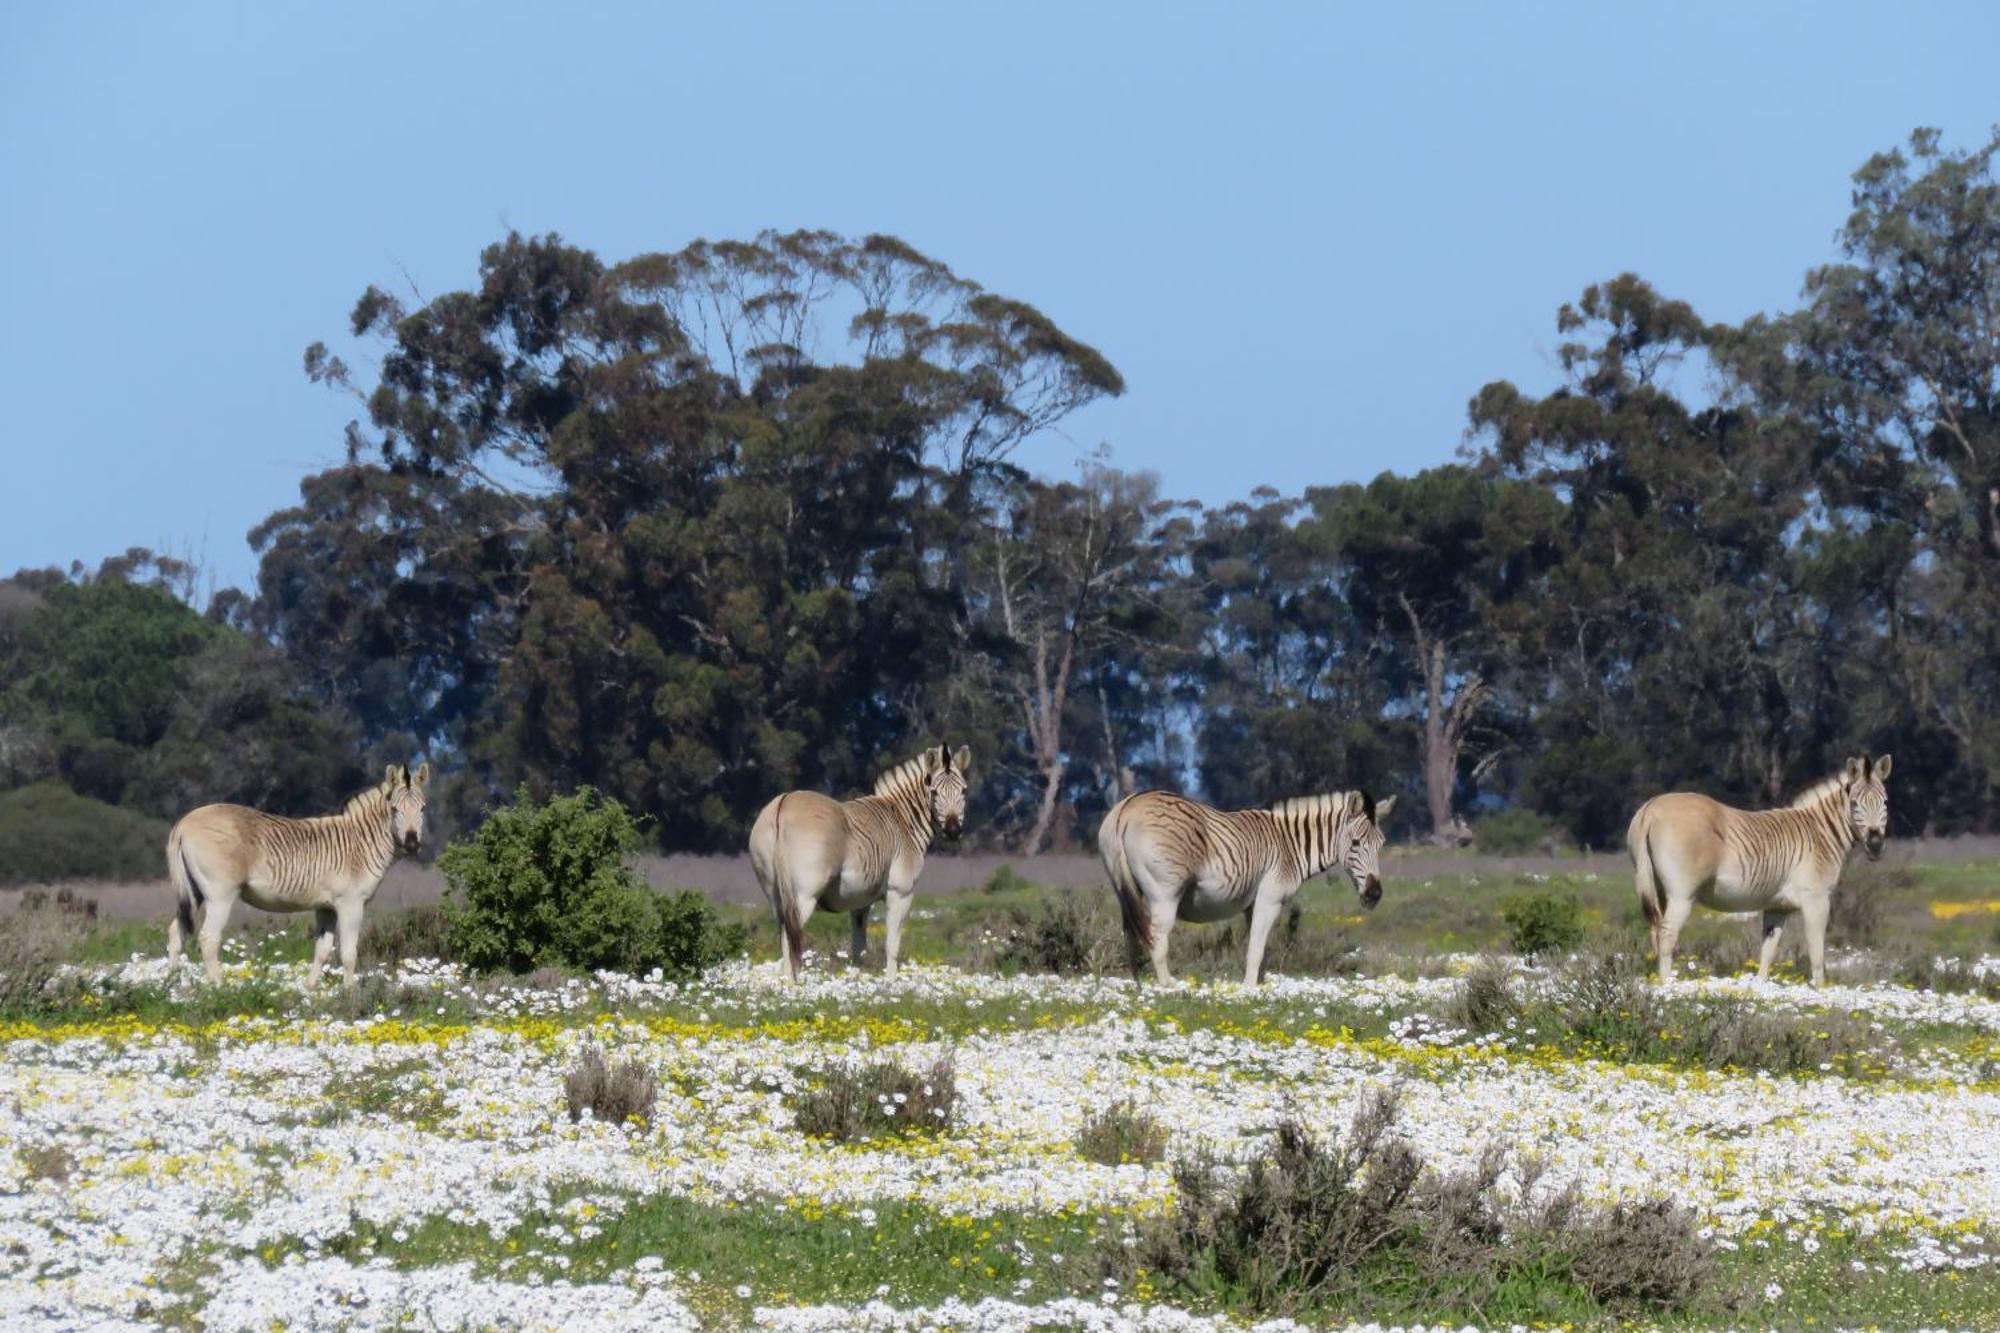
(1311, 827)
(902, 789)
(367, 813)
(1825, 805)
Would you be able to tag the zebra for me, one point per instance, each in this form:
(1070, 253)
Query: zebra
(1172, 858)
(330, 865)
(811, 851)
(1687, 848)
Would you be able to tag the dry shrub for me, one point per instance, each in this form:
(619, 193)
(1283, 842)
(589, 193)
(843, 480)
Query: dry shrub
(47, 1161)
(1485, 1000)
(414, 932)
(1601, 1005)
(1854, 918)
(1119, 1134)
(616, 1096)
(35, 942)
(848, 1103)
(1061, 936)
(1359, 1226)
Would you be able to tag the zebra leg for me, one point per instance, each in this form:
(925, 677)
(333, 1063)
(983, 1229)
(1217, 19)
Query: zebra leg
(1774, 926)
(899, 907)
(1812, 915)
(1164, 915)
(860, 943)
(1672, 919)
(323, 922)
(214, 916)
(1263, 916)
(347, 916)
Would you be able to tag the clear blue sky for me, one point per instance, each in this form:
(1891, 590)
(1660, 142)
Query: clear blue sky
(1305, 233)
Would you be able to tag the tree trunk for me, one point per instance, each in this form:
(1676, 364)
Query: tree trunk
(1445, 723)
(1045, 717)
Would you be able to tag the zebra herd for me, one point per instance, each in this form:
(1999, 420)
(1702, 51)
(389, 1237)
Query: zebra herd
(1168, 859)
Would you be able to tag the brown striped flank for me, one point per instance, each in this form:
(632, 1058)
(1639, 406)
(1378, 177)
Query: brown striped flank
(1170, 858)
(810, 851)
(329, 866)
(1688, 849)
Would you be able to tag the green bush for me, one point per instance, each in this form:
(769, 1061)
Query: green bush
(49, 833)
(1510, 832)
(1543, 922)
(1006, 880)
(552, 885)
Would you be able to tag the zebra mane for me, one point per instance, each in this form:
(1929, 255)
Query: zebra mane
(1818, 792)
(903, 777)
(365, 799)
(1332, 803)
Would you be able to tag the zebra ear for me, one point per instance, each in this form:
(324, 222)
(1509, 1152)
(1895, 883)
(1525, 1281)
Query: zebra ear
(422, 776)
(962, 759)
(1356, 802)
(392, 775)
(1882, 768)
(1856, 770)
(1382, 809)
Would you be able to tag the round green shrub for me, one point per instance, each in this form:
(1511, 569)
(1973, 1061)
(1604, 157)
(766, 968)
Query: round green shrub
(551, 884)
(1543, 922)
(1509, 832)
(49, 833)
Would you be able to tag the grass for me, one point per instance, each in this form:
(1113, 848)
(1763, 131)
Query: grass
(810, 1254)
(911, 1255)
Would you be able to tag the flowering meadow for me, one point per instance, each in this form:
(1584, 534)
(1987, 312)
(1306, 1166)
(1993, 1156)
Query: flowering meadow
(255, 1156)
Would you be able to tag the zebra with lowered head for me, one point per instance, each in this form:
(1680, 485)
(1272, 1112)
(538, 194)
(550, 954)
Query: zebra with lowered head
(330, 866)
(1170, 858)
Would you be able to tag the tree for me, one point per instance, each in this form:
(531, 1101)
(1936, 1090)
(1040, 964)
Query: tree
(1892, 371)
(1067, 570)
(691, 528)
(1427, 564)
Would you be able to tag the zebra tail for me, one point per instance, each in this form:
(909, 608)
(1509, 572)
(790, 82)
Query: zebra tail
(1118, 868)
(781, 889)
(1638, 840)
(187, 888)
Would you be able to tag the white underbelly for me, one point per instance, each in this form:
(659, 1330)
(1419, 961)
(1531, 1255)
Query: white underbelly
(845, 897)
(1729, 894)
(269, 899)
(1210, 903)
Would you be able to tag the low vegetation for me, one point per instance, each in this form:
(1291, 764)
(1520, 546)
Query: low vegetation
(1547, 921)
(853, 1103)
(551, 884)
(1120, 1134)
(1510, 832)
(614, 1096)
(48, 833)
(1359, 1227)
(1605, 1008)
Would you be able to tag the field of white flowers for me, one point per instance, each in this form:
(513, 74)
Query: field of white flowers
(257, 1157)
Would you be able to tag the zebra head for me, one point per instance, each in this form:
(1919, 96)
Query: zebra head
(405, 793)
(944, 781)
(1867, 801)
(1361, 840)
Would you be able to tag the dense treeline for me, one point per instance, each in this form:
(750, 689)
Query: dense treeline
(697, 527)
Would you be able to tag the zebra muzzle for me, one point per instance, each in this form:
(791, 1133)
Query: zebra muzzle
(409, 844)
(1371, 892)
(1874, 845)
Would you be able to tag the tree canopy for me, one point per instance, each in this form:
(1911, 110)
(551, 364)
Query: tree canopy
(698, 526)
